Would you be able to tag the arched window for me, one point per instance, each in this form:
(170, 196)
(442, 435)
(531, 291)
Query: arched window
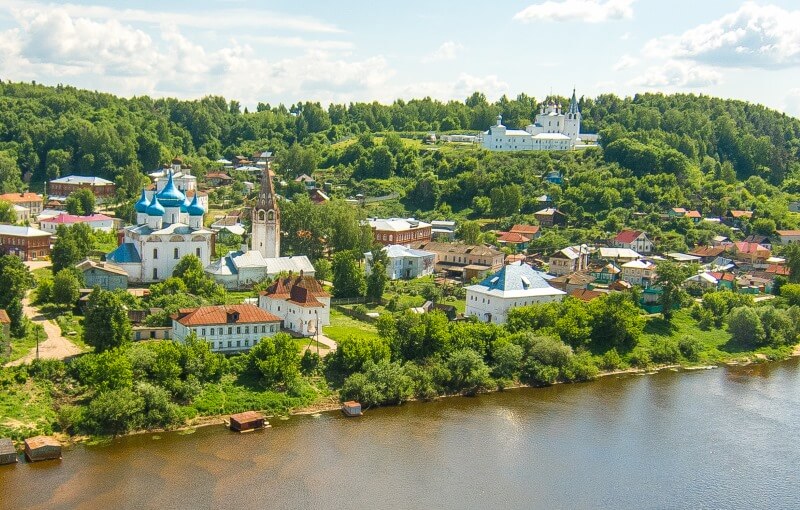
(261, 215)
(176, 253)
(197, 252)
(155, 253)
(271, 215)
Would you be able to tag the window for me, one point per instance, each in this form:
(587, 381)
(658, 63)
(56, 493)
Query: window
(261, 215)
(204, 331)
(238, 343)
(176, 254)
(263, 329)
(238, 330)
(230, 330)
(155, 273)
(246, 330)
(197, 252)
(247, 343)
(230, 344)
(155, 253)
(271, 215)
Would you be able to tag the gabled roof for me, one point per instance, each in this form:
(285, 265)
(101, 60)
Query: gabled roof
(741, 214)
(566, 253)
(585, 294)
(512, 237)
(16, 198)
(69, 219)
(18, 231)
(628, 236)
(81, 179)
(398, 250)
(744, 247)
(471, 249)
(639, 264)
(550, 211)
(788, 232)
(101, 266)
(282, 287)
(693, 214)
(707, 251)
(224, 314)
(525, 229)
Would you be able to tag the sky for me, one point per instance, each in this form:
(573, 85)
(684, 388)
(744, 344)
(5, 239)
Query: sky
(290, 51)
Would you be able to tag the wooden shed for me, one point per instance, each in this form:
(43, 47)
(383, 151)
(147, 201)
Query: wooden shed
(8, 454)
(351, 408)
(248, 420)
(42, 448)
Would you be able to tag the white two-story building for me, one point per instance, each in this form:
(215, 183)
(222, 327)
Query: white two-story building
(300, 301)
(227, 328)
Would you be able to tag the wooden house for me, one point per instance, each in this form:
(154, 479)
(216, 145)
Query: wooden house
(42, 448)
(351, 408)
(248, 420)
(8, 454)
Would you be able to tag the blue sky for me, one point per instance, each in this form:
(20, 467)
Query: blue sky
(362, 51)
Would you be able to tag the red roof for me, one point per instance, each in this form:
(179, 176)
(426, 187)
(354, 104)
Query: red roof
(213, 175)
(772, 268)
(722, 276)
(586, 295)
(15, 198)
(4, 319)
(743, 247)
(67, 219)
(693, 214)
(289, 288)
(707, 251)
(788, 232)
(742, 214)
(512, 237)
(525, 229)
(224, 314)
(628, 236)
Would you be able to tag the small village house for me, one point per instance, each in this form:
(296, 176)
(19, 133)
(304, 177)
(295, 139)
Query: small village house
(248, 420)
(639, 272)
(586, 295)
(467, 261)
(98, 222)
(568, 260)
(443, 230)
(31, 201)
(515, 285)
(750, 253)
(550, 217)
(516, 242)
(707, 253)
(788, 236)
(299, 301)
(736, 218)
(226, 328)
(404, 263)
(573, 281)
(105, 275)
(635, 240)
(617, 255)
(605, 273)
(530, 231)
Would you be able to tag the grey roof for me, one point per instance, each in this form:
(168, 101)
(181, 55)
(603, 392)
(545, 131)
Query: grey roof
(125, 254)
(517, 279)
(81, 179)
(396, 224)
(18, 231)
(101, 266)
(396, 250)
(235, 260)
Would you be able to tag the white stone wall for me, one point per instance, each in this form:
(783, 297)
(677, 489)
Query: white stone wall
(296, 318)
(495, 309)
(227, 337)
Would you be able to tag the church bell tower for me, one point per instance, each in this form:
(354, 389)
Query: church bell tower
(266, 220)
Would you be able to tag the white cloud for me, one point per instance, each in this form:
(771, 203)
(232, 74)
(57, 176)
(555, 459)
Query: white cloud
(754, 36)
(791, 103)
(588, 11)
(459, 89)
(625, 62)
(677, 74)
(447, 51)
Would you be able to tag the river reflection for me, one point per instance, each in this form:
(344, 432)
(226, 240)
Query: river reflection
(724, 438)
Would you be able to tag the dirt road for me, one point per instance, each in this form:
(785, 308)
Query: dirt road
(54, 346)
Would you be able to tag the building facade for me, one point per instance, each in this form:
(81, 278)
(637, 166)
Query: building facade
(403, 231)
(27, 243)
(635, 240)
(242, 269)
(95, 222)
(465, 260)
(59, 189)
(569, 260)
(105, 275)
(404, 263)
(226, 328)
(639, 272)
(300, 301)
(517, 284)
(31, 201)
(169, 227)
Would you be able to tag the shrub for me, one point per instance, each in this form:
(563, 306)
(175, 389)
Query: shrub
(640, 357)
(611, 360)
(690, 347)
(580, 367)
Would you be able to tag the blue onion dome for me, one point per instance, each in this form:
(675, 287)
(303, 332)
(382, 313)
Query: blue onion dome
(155, 209)
(195, 209)
(171, 196)
(141, 205)
(185, 205)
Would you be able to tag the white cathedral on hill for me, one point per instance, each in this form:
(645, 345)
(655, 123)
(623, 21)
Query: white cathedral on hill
(243, 268)
(553, 130)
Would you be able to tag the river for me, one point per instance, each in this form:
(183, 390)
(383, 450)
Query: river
(723, 438)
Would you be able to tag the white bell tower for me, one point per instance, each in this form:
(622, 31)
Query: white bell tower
(266, 220)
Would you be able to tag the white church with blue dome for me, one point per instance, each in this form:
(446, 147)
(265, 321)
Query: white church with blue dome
(169, 226)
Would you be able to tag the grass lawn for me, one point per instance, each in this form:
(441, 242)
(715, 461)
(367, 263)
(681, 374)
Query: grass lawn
(342, 327)
(717, 345)
(26, 408)
(235, 297)
(41, 273)
(22, 346)
(302, 343)
(72, 328)
(232, 395)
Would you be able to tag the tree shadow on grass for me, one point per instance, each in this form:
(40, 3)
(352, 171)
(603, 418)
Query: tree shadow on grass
(659, 326)
(734, 347)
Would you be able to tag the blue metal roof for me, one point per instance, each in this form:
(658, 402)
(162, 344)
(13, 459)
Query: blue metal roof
(195, 209)
(124, 254)
(517, 276)
(155, 208)
(170, 196)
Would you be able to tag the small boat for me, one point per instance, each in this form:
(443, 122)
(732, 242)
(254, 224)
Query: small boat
(351, 408)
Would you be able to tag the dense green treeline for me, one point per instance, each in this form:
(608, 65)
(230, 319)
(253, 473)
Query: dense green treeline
(51, 131)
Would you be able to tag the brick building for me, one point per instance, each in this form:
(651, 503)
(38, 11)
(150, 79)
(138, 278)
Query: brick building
(403, 231)
(27, 243)
(31, 201)
(61, 188)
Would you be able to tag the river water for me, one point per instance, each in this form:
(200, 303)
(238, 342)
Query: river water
(723, 438)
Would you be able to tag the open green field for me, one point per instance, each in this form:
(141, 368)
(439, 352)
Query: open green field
(342, 327)
(26, 406)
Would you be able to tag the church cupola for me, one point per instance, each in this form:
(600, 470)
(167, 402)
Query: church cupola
(196, 213)
(266, 219)
(141, 208)
(155, 214)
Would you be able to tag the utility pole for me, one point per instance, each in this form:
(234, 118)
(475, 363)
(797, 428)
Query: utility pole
(317, 314)
(37, 343)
